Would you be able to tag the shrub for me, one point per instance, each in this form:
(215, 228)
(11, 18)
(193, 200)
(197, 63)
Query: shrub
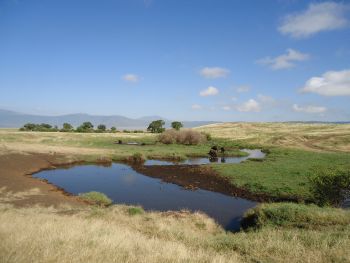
(135, 211)
(331, 186)
(189, 137)
(168, 137)
(96, 198)
(207, 135)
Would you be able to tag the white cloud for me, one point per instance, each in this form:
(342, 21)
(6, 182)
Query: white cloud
(234, 98)
(227, 108)
(131, 78)
(214, 72)
(243, 88)
(284, 61)
(210, 91)
(249, 106)
(309, 109)
(331, 83)
(318, 17)
(196, 107)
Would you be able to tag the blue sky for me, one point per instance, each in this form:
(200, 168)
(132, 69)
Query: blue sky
(271, 60)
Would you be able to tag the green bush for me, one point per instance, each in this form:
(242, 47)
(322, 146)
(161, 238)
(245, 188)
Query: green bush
(135, 211)
(96, 198)
(330, 186)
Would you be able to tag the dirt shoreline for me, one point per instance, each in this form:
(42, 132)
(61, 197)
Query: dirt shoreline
(16, 176)
(16, 171)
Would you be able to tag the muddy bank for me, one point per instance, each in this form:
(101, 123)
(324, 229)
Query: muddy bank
(15, 177)
(194, 177)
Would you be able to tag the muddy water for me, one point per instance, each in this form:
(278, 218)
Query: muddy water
(256, 154)
(124, 185)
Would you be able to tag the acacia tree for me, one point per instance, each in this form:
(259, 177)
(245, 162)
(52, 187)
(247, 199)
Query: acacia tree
(156, 126)
(176, 125)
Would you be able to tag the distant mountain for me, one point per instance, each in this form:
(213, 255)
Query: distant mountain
(11, 119)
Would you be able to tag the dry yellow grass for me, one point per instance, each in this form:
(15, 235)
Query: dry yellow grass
(66, 234)
(12, 140)
(321, 137)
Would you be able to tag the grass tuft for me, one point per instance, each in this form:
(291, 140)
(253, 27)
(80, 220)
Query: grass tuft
(96, 198)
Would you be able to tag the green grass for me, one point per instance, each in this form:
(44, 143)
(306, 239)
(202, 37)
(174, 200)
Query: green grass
(135, 211)
(284, 173)
(291, 215)
(96, 198)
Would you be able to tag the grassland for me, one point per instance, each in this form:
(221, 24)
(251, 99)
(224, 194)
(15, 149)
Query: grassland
(276, 232)
(315, 137)
(284, 173)
(93, 234)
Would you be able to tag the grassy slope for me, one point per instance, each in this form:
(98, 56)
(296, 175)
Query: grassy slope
(114, 235)
(315, 137)
(284, 172)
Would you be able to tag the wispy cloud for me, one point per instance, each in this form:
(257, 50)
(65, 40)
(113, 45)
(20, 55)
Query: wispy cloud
(131, 78)
(284, 61)
(214, 72)
(210, 91)
(226, 108)
(331, 83)
(309, 109)
(316, 18)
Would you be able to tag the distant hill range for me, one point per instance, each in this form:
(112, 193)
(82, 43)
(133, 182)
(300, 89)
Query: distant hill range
(11, 119)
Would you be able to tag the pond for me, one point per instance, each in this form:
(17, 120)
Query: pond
(256, 154)
(124, 185)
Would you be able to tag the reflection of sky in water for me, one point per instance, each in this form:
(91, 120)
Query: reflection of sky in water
(126, 186)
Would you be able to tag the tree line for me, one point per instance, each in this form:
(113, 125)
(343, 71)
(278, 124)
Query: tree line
(88, 127)
(67, 127)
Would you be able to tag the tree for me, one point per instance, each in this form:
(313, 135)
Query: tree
(113, 129)
(67, 127)
(46, 126)
(85, 127)
(101, 127)
(156, 126)
(176, 125)
(29, 126)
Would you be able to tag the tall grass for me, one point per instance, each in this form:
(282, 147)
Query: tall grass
(115, 235)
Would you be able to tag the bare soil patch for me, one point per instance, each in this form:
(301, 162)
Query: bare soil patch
(15, 171)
